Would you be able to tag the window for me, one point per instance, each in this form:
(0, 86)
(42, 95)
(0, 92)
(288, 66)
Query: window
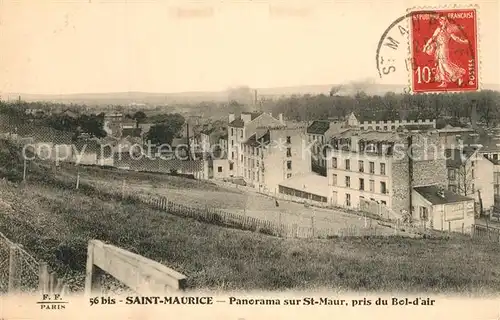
(424, 213)
(383, 188)
(361, 166)
(334, 162)
(372, 185)
(361, 184)
(452, 188)
(241, 159)
(257, 151)
(451, 174)
(473, 188)
(232, 143)
(289, 165)
(232, 155)
(257, 165)
(472, 173)
(393, 127)
(334, 180)
(288, 152)
(288, 175)
(383, 202)
(372, 167)
(377, 128)
(348, 199)
(241, 133)
(382, 169)
(472, 163)
(232, 131)
(253, 151)
(347, 164)
(369, 128)
(231, 166)
(348, 181)
(495, 157)
(385, 128)
(219, 169)
(288, 139)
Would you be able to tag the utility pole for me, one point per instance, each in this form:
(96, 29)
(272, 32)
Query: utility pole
(188, 142)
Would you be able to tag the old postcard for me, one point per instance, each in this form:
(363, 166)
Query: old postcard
(249, 159)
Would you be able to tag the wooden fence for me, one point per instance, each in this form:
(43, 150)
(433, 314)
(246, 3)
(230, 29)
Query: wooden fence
(219, 217)
(487, 233)
(20, 272)
(142, 275)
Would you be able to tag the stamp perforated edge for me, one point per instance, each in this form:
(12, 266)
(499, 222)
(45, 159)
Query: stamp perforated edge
(478, 43)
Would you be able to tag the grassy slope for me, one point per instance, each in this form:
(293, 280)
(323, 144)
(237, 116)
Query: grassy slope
(55, 223)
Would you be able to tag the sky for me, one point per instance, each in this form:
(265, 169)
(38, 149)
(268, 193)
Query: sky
(82, 46)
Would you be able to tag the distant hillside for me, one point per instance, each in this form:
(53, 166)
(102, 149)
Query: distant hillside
(153, 99)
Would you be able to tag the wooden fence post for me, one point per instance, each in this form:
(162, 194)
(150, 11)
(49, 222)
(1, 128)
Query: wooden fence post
(93, 273)
(13, 268)
(312, 226)
(43, 278)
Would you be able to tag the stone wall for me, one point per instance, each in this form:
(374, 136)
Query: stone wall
(429, 168)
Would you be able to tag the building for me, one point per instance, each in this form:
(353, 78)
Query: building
(378, 171)
(274, 154)
(239, 130)
(488, 145)
(450, 136)
(470, 175)
(443, 210)
(389, 121)
(318, 133)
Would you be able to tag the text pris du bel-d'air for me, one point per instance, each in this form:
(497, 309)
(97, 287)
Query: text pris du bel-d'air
(307, 301)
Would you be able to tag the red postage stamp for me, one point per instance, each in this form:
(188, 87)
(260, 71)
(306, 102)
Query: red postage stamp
(444, 50)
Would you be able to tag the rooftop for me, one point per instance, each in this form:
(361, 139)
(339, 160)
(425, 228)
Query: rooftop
(133, 132)
(432, 194)
(388, 136)
(239, 123)
(308, 182)
(318, 127)
(368, 115)
(256, 140)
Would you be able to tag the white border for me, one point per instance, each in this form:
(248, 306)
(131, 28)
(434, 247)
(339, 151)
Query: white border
(478, 44)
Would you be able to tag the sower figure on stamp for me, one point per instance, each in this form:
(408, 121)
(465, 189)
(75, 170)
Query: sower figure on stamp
(438, 46)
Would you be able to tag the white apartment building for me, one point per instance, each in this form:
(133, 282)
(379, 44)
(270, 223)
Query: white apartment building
(272, 155)
(239, 130)
(374, 166)
(319, 132)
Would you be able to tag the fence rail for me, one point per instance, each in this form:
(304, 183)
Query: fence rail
(487, 233)
(21, 272)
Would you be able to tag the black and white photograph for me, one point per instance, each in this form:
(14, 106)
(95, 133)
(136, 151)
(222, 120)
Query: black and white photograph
(203, 148)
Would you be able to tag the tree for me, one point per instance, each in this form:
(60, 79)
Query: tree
(165, 132)
(139, 117)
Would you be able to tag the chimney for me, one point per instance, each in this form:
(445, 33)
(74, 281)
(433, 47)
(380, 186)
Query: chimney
(280, 117)
(473, 115)
(440, 192)
(231, 117)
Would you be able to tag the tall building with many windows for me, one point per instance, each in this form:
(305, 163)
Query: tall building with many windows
(239, 130)
(376, 167)
(272, 155)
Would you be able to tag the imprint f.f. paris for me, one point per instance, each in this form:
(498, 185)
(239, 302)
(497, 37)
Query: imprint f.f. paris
(444, 50)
